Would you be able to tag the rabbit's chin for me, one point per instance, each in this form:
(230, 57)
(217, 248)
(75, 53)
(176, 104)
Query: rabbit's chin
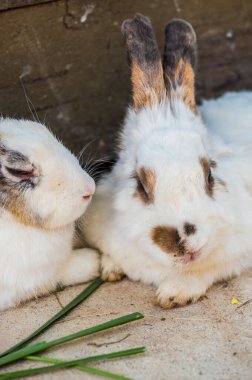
(61, 219)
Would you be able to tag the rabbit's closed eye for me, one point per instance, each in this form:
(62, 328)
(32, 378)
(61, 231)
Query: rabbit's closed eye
(23, 174)
(145, 181)
(209, 179)
(16, 168)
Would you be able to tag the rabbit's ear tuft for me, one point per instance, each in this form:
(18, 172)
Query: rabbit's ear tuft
(179, 60)
(146, 67)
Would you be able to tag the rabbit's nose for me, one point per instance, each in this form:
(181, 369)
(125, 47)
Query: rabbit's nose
(87, 196)
(89, 189)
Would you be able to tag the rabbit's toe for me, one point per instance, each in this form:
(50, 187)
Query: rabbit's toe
(172, 302)
(174, 294)
(110, 270)
(112, 276)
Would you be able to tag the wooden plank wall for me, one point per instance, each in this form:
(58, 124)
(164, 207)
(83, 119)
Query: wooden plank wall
(70, 57)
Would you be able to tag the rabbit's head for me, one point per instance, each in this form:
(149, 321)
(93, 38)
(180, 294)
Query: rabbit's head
(166, 183)
(41, 182)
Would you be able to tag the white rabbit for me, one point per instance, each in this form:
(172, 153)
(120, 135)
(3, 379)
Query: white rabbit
(176, 210)
(43, 190)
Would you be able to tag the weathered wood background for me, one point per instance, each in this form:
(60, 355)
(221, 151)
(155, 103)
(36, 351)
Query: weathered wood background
(70, 58)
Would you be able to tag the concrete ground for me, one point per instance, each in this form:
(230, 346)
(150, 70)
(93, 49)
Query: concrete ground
(208, 340)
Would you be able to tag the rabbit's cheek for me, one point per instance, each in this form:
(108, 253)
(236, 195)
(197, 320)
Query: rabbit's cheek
(17, 206)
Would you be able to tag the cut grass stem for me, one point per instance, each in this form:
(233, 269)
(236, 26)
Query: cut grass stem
(70, 306)
(72, 363)
(82, 368)
(16, 352)
(42, 346)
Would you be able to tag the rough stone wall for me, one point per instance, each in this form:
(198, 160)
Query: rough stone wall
(71, 60)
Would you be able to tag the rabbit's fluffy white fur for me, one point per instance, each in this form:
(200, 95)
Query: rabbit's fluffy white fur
(186, 223)
(43, 190)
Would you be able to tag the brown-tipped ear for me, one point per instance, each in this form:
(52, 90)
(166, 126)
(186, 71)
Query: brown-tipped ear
(180, 59)
(146, 67)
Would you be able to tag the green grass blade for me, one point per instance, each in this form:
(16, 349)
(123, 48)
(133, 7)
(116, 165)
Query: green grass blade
(82, 368)
(26, 351)
(75, 302)
(72, 363)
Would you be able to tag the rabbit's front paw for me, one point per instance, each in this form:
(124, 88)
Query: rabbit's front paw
(175, 293)
(110, 271)
(82, 265)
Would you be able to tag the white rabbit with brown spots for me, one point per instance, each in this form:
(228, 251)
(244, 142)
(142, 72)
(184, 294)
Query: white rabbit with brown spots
(176, 210)
(43, 190)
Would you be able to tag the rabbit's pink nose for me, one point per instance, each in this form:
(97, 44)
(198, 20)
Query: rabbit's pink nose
(87, 196)
(89, 190)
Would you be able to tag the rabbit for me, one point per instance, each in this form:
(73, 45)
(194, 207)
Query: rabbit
(176, 210)
(43, 190)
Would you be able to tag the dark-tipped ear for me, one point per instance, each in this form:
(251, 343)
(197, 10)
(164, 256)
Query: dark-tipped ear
(146, 67)
(179, 60)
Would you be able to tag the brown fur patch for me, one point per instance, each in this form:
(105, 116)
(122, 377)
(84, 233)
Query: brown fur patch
(147, 72)
(11, 191)
(148, 85)
(189, 229)
(185, 73)
(168, 239)
(209, 180)
(15, 204)
(146, 179)
(209, 185)
(180, 59)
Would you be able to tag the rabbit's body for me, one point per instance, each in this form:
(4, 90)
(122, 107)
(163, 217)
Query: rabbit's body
(30, 269)
(43, 190)
(116, 227)
(176, 210)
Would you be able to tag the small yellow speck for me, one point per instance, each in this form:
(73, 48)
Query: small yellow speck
(234, 301)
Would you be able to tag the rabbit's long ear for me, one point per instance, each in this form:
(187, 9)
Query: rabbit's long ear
(180, 60)
(146, 67)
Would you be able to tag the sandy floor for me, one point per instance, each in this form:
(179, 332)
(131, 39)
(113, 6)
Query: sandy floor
(208, 340)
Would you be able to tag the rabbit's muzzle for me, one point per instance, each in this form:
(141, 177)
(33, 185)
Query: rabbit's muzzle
(170, 241)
